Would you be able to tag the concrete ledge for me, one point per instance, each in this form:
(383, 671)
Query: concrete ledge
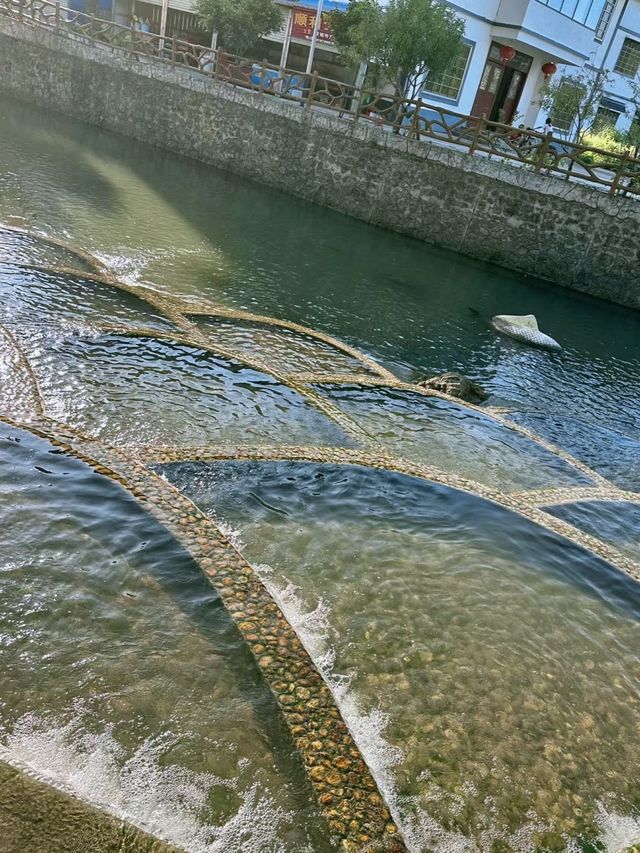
(36, 818)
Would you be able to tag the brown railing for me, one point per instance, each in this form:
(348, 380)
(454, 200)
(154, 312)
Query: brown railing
(546, 154)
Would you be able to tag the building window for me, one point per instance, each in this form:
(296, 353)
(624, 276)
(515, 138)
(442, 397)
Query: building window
(605, 118)
(449, 82)
(594, 14)
(605, 19)
(563, 119)
(629, 59)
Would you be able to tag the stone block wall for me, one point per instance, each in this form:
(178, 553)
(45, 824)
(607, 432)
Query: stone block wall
(567, 233)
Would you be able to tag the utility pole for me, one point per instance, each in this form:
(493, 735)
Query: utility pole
(287, 41)
(314, 37)
(163, 24)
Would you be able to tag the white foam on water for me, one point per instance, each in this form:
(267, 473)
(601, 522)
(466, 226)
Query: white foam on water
(230, 533)
(420, 830)
(129, 264)
(313, 628)
(165, 800)
(617, 832)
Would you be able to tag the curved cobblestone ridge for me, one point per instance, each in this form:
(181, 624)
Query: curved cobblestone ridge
(344, 787)
(34, 247)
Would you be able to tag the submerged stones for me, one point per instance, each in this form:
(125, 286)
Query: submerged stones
(343, 785)
(456, 385)
(341, 781)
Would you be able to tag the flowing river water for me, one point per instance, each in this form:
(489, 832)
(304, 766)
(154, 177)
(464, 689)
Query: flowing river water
(488, 668)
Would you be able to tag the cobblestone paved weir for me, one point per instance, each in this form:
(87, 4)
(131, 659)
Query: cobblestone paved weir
(344, 786)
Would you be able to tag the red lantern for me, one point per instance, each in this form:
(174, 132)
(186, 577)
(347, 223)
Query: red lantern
(507, 53)
(549, 69)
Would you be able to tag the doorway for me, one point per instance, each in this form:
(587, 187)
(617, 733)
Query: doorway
(501, 86)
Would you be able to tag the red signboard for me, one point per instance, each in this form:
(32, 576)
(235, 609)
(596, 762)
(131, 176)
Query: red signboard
(304, 20)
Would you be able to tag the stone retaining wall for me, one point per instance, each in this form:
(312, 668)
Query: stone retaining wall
(568, 233)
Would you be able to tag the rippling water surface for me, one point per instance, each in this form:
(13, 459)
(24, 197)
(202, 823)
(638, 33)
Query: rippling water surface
(285, 350)
(39, 301)
(145, 698)
(150, 391)
(503, 662)
(201, 233)
(489, 671)
(616, 522)
(453, 437)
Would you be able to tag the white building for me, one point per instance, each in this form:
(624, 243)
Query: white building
(620, 55)
(490, 79)
(507, 44)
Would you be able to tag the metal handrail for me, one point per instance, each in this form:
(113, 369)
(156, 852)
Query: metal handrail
(412, 118)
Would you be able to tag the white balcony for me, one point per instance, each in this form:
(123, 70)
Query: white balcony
(533, 24)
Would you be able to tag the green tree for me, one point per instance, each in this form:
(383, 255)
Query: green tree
(573, 101)
(633, 134)
(239, 23)
(404, 39)
(632, 137)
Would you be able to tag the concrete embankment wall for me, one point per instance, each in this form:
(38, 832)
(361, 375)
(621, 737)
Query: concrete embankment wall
(567, 233)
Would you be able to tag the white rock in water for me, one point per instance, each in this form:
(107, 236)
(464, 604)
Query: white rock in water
(523, 328)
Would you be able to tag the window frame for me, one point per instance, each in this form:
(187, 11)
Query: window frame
(605, 19)
(617, 69)
(600, 120)
(427, 93)
(583, 13)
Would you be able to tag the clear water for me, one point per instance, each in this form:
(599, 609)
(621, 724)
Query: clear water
(609, 450)
(462, 441)
(27, 249)
(145, 698)
(150, 391)
(35, 301)
(203, 234)
(615, 522)
(16, 394)
(500, 665)
(285, 350)
(489, 670)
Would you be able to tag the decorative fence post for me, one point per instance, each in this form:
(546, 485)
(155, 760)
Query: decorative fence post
(57, 16)
(20, 10)
(358, 105)
(263, 73)
(480, 126)
(615, 184)
(543, 151)
(312, 89)
(414, 133)
(173, 52)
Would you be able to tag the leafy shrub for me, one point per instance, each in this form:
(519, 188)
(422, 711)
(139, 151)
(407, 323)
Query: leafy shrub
(606, 138)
